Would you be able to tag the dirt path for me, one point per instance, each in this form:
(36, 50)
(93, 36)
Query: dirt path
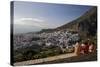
(80, 58)
(43, 60)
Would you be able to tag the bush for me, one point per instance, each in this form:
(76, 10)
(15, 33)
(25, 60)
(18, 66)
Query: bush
(18, 58)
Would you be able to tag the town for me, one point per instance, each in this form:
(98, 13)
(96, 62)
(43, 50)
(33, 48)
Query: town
(62, 39)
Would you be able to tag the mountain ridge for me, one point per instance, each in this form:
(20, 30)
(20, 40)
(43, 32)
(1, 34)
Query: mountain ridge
(85, 25)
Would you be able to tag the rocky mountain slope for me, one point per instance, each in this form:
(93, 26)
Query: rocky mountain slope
(85, 25)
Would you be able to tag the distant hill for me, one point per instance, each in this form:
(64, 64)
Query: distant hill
(85, 25)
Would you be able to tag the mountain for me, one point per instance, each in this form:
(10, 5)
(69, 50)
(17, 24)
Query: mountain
(85, 25)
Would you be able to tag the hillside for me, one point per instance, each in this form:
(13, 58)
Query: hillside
(85, 25)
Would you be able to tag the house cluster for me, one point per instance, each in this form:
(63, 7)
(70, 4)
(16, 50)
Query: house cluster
(63, 39)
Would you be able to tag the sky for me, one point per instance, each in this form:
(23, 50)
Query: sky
(34, 16)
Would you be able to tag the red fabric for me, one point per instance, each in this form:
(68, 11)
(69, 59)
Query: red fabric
(85, 48)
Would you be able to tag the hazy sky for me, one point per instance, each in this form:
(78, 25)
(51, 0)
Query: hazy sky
(32, 16)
